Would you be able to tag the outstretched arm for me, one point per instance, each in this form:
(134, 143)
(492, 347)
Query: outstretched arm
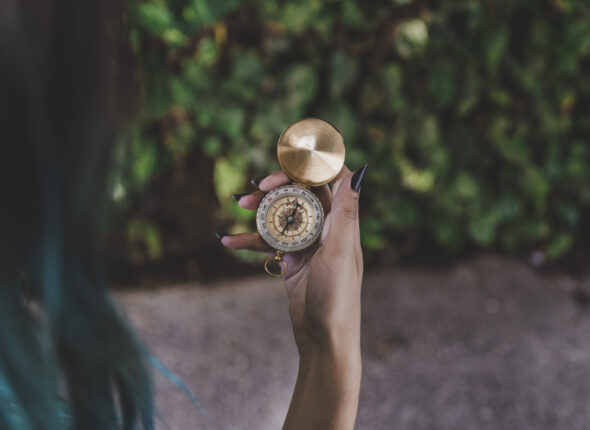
(324, 289)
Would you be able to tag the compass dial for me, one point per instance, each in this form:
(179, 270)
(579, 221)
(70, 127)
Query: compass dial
(290, 218)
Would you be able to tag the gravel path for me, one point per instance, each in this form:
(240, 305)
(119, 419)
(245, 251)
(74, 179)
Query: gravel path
(486, 344)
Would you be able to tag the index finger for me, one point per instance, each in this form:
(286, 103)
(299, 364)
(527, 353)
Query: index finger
(275, 179)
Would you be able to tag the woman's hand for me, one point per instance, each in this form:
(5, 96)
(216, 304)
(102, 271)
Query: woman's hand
(323, 284)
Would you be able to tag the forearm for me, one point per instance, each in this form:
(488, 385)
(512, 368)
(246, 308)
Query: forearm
(327, 390)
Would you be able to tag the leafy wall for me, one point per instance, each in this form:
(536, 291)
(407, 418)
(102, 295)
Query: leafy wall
(473, 115)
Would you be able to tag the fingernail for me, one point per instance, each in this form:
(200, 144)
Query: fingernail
(257, 181)
(222, 235)
(237, 197)
(357, 178)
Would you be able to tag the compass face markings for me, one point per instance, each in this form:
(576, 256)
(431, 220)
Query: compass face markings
(290, 218)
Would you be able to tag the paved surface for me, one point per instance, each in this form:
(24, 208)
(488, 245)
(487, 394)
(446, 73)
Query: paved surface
(487, 344)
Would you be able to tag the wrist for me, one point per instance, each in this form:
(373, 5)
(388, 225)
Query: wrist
(327, 389)
(344, 356)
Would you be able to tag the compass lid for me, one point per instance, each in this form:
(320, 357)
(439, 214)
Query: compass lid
(311, 151)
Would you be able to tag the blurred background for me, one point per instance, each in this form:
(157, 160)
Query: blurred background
(472, 115)
(473, 118)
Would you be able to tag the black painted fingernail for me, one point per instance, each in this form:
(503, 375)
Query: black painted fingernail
(357, 178)
(222, 235)
(237, 197)
(257, 181)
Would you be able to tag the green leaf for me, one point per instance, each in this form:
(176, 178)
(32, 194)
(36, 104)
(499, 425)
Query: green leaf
(154, 17)
(144, 160)
(559, 245)
(143, 234)
(343, 72)
(441, 82)
(412, 37)
(207, 53)
(229, 177)
(212, 146)
(483, 228)
(535, 186)
(497, 40)
(420, 180)
(230, 122)
(301, 86)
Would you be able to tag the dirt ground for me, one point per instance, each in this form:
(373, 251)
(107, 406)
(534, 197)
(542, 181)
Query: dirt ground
(484, 344)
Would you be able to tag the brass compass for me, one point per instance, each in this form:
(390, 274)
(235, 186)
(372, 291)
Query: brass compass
(290, 218)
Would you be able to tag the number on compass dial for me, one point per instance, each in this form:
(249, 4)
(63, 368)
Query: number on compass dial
(290, 218)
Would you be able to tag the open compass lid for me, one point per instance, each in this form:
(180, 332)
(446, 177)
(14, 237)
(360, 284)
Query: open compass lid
(311, 151)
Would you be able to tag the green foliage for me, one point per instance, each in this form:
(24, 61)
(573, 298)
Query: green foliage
(144, 237)
(471, 115)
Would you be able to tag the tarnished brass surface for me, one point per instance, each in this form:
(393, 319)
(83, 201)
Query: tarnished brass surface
(311, 151)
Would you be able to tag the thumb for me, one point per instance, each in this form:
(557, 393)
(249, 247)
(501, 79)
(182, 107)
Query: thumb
(344, 212)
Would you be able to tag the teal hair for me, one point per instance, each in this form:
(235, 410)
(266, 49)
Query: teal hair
(67, 86)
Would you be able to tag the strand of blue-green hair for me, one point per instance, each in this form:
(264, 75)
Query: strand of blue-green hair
(176, 380)
(24, 364)
(160, 418)
(11, 412)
